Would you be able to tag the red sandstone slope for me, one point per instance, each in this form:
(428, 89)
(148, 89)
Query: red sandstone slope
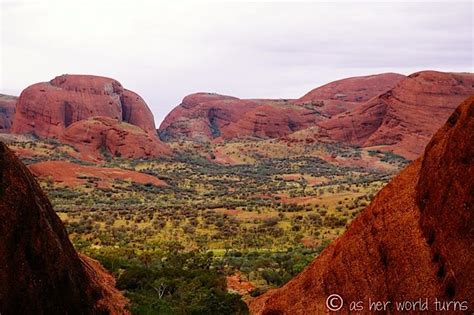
(40, 272)
(207, 116)
(342, 95)
(7, 112)
(404, 118)
(413, 241)
(46, 109)
(96, 135)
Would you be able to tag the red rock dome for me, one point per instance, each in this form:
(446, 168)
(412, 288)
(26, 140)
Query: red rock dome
(46, 109)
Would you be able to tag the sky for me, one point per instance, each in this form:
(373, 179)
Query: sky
(165, 50)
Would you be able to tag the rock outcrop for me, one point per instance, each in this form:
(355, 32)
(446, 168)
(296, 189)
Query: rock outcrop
(414, 241)
(207, 117)
(96, 136)
(342, 95)
(40, 272)
(404, 118)
(388, 111)
(46, 109)
(7, 112)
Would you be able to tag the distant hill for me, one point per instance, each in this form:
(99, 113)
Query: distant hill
(388, 112)
(404, 118)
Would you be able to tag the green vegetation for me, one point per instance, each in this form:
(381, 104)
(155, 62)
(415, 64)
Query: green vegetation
(171, 281)
(171, 247)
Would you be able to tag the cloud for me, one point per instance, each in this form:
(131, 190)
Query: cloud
(166, 50)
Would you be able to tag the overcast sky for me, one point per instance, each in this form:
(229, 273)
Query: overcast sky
(166, 50)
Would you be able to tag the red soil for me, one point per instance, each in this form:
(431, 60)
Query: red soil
(237, 284)
(71, 174)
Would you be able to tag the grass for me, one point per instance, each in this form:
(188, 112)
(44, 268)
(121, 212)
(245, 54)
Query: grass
(273, 195)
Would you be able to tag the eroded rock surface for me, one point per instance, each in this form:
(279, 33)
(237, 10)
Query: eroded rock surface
(46, 109)
(7, 112)
(404, 118)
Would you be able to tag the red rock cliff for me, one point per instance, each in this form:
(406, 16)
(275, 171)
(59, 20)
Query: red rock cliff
(7, 112)
(404, 118)
(46, 109)
(342, 95)
(415, 240)
(206, 116)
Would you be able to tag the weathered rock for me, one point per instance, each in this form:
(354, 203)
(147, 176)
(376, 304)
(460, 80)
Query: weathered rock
(97, 136)
(205, 117)
(342, 95)
(47, 109)
(7, 112)
(40, 272)
(136, 112)
(404, 118)
(413, 241)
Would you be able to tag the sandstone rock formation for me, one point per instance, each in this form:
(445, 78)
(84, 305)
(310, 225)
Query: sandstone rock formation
(40, 272)
(96, 136)
(7, 112)
(413, 241)
(46, 109)
(208, 116)
(342, 95)
(388, 111)
(205, 117)
(404, 118)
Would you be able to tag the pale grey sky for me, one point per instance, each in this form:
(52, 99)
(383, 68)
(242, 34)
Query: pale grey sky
(164, 50)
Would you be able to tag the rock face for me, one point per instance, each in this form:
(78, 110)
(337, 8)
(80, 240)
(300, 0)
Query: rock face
(413, 241)
(47, 109)
(205, 117)
(40, 271)
(388, 111)
(208, 116)
(7, 112)
(342, 95)
(96, 136)
(404, 118)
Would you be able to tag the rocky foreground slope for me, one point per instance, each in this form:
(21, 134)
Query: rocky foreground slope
(415, 240)
(40, 272)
